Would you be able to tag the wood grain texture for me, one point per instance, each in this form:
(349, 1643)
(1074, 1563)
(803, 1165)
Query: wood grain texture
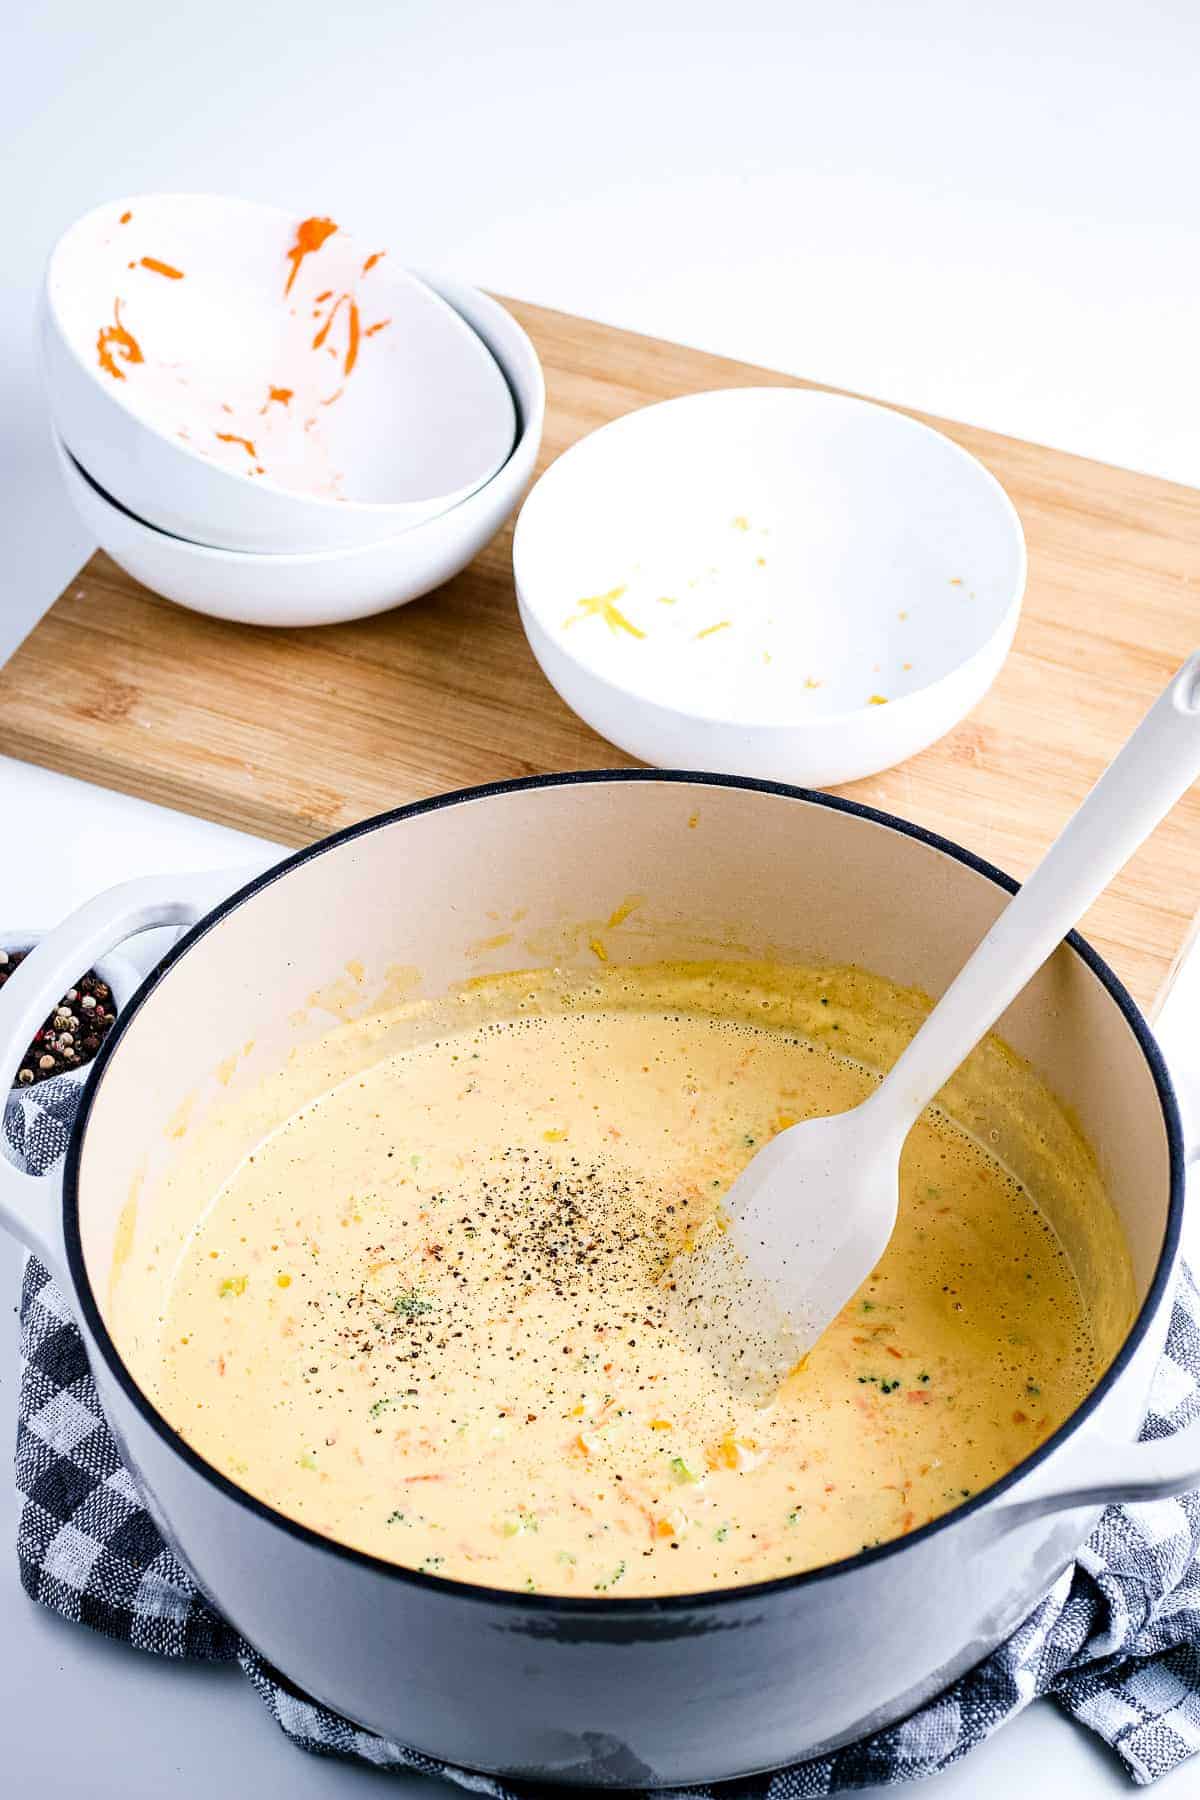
(292, 734)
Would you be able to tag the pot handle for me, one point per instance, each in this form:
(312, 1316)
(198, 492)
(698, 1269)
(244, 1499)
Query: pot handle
(30, 1206)
(1103, 1471)
(1106, 1470)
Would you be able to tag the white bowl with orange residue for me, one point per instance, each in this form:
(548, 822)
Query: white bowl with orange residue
(324, 587)
(253, 381)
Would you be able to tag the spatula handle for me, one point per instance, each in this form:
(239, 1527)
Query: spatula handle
(1142, 784)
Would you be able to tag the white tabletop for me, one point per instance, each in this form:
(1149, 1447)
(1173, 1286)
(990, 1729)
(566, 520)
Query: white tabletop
(984, 212)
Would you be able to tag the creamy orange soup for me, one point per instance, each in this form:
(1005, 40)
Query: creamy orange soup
(425, 1315)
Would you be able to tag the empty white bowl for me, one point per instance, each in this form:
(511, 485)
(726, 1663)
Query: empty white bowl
(769, 581)
(321, 588)
(253, 381)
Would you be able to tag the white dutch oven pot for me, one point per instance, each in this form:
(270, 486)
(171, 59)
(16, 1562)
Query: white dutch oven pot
(602, 1691)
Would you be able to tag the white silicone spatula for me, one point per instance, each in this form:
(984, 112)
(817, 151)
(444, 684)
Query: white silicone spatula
(810, 1216)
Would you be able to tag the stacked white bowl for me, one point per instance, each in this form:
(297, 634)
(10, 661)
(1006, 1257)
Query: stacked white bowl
(264, 418)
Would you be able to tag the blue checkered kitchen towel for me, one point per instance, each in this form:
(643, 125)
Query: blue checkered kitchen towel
(1116, 1642)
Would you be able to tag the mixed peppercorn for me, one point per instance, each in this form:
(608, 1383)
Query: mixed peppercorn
(73, 1032)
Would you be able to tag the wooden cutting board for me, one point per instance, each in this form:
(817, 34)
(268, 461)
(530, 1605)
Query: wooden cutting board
(291, 734)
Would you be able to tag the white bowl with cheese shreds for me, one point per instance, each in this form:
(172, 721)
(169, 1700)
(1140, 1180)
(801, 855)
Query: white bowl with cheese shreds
(773, 582)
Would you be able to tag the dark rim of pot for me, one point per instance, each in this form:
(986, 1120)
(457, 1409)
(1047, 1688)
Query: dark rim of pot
(644, 1604)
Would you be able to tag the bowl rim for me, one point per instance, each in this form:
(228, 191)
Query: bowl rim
(325, 504)
(650, 1605)
(530, 423)
(758, 723)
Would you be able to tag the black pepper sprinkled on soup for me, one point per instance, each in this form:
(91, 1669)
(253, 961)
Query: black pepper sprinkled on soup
(427, 1316)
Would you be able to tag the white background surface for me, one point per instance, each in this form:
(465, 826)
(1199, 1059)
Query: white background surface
(989, 217)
